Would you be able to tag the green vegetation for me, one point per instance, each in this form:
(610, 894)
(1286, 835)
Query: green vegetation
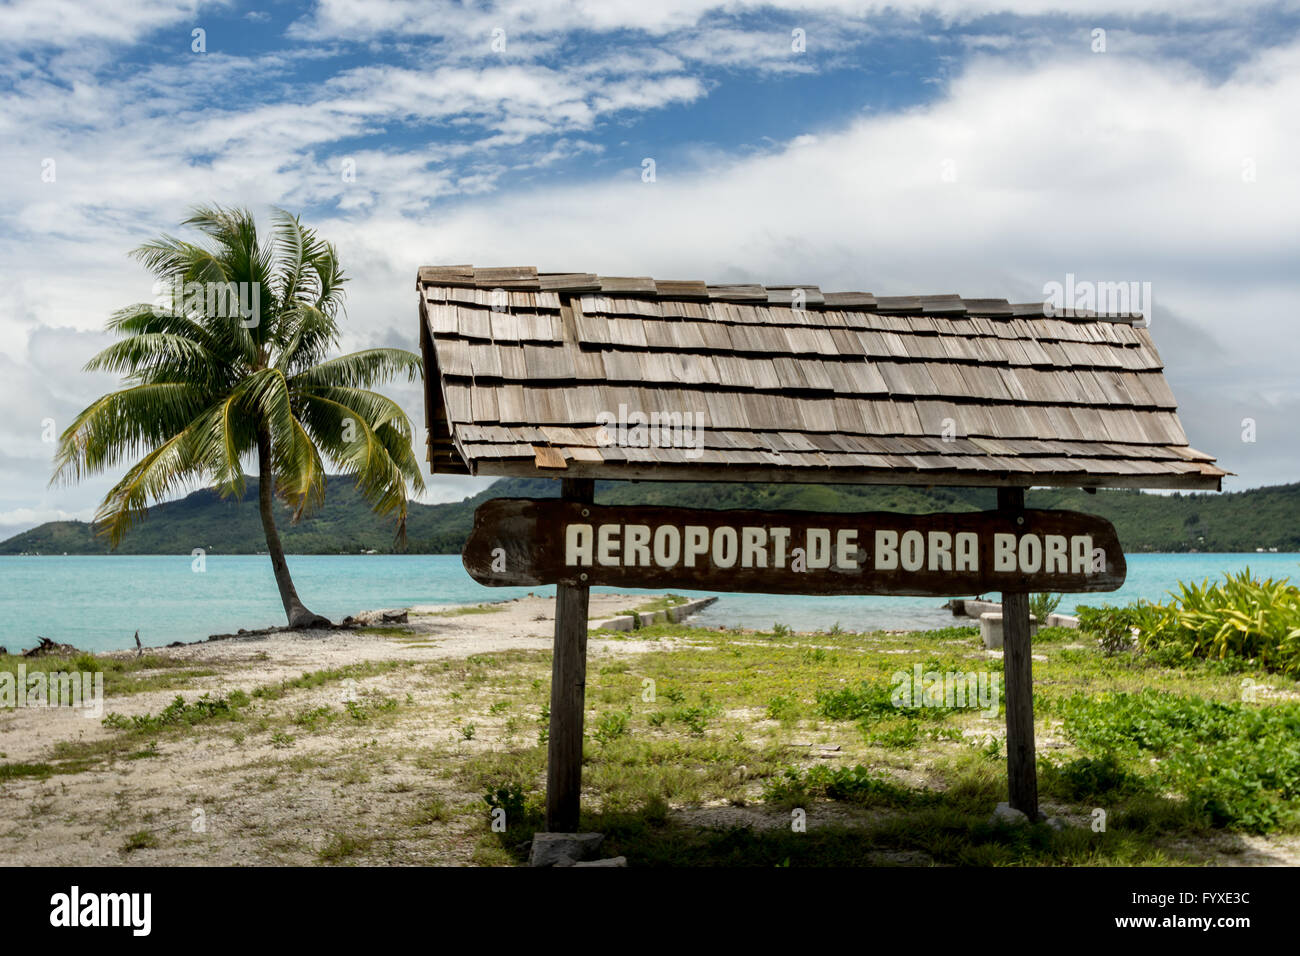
(1042, 605)
(140, 840)
(1237, 765)
(1235, 521)
(311, 679)
(467, 609)
(431, 810)
(341, 846)
(857, 784)
(122, 674)
(1171, 754)
(181, 714)
(1240, 619)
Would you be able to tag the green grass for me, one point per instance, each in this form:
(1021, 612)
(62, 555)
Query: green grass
(140, 840)
(341, 846)
(911, 784)
(180, 713)
(429, 811)
(122, 675)
(467, 609)
(314, 679)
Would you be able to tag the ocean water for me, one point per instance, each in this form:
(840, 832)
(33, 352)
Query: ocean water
(98, 602)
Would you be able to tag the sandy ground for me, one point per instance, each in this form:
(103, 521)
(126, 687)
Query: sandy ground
(261, 802)
(240, 794)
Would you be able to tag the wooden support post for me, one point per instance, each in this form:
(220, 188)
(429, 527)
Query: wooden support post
(568, 691)
(1018, 679)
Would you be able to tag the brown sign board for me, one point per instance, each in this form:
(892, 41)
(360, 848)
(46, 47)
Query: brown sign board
(521, 541)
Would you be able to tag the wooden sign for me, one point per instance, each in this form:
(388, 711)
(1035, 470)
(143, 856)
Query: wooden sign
(520, 541)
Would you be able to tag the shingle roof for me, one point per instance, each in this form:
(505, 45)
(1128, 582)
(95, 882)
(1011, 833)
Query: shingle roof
(793, 384)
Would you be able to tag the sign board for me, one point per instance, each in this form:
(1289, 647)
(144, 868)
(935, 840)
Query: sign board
(520, 541)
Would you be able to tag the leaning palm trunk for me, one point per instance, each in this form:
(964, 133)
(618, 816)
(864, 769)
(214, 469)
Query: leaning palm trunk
(294, 609)
(208, 386)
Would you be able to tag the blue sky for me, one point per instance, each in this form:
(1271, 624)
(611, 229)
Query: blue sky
(985, 148)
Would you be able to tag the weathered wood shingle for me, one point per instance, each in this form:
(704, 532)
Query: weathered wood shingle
(789, 383)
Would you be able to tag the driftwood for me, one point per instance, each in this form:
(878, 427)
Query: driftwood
(49, 648)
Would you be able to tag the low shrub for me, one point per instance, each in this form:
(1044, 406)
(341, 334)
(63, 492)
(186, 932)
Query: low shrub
(1237, 765)
(1240, 618)
(1119, 628)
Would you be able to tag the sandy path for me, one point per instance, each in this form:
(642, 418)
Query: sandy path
(260, 801)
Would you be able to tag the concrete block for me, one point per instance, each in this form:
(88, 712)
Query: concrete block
(974, 608)
(991, 628)
(552, 849)
(1062, 620)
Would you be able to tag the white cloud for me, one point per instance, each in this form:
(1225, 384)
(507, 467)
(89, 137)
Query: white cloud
(1115, 171)
(1112, 167)
(68, 23)
(358, 20)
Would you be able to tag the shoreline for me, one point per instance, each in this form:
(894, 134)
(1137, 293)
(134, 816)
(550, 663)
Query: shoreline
(102, 604)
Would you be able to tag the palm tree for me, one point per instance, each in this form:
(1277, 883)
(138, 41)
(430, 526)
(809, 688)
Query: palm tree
(208, 384)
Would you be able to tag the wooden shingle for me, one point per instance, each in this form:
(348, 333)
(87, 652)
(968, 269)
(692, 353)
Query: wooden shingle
(791, 385)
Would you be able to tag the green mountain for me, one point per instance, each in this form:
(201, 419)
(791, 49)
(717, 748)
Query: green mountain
(1236, 521)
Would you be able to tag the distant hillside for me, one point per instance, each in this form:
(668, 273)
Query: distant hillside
(1239, 521)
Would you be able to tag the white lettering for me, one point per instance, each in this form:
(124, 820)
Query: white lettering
(846, 549)
(636, 546)
(819, 548)
(697, 543)
(886, 550)
(1055, 559)
(913, 550)
(779, 538)
(753, 548)
(968, 551)
(940, 551)
(607, 545)
(1004, 552)
(724, 547)
(577, 544)
(668, 546)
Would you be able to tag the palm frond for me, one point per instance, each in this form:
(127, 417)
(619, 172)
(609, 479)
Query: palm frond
(205, 387)
(179, 357)
(299, 471)
(145, 317)
(313, 333)
(122, 424)
(160, 473)
(353, 443)
(361, 369)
